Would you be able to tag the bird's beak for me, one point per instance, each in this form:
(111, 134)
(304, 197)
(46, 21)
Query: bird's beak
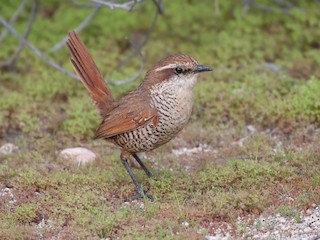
(202, 68)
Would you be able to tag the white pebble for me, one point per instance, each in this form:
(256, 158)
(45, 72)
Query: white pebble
(77, 155)
(185, 224)
(8, 148)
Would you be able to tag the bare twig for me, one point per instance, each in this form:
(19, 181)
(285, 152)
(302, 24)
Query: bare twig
(13, 19)
(36, 51)
(12, 60)
(126, 6)
(251, 3)
(132, 79)
(159, 5)
(137, 51)
(271, 67)
(97, 4)
(78, 29)
(285, 6)
(265, 8)
(82, 5)
(247, 5)
(284, 3)
(217, 7)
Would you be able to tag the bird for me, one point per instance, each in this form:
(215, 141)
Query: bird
(147, 117)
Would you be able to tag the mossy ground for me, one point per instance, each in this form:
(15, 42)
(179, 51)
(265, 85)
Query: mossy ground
(257, 115)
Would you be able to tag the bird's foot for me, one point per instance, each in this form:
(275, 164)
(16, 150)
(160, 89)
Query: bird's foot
(140, 196)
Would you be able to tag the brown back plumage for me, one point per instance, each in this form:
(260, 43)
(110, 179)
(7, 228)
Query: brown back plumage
(133, 112)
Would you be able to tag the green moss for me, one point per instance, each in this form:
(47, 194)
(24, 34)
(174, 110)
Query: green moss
(27, 122)
(6, 173)
(241, 174)
(287, 211)
(82, 118)
(316, 179)
(163, 185)
(25, 213)
(305, 104)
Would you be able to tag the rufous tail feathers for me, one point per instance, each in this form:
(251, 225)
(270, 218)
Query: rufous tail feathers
(86, 69)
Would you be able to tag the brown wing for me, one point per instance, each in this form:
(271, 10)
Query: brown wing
(89, 74)
(133, 112)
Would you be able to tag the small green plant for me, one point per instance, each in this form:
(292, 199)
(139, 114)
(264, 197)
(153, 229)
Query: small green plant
(25, 213)
(82, 118)
(298, 218)
(287, 211)
(27, 122)
(258, 224)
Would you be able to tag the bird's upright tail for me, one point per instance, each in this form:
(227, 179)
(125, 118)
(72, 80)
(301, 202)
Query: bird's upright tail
(89, 74)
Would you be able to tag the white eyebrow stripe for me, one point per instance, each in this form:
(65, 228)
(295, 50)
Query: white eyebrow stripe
(172, 65)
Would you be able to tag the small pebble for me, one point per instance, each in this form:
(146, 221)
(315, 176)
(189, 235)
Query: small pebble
(185, 224)
(7, 192)
(275, 227)
(8, 148)
(142, 206)
(77, 155)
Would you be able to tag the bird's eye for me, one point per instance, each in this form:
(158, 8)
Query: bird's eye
(179, 70)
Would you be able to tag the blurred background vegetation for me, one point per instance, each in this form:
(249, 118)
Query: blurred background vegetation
(258, 56)
(266, 74)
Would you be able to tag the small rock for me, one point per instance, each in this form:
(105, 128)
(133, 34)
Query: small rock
(240, 142)
(251, 129)
(218, 237)
(7, 192)
(142, 206)
(257, 236)
(309, 211)
(282, 220)
(8, 148)
(307, 230)
(78, 155)
(190, 151)
(185, 224)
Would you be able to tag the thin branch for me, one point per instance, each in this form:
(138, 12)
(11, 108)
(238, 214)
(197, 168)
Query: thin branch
(138, 49)
(12, 60)
(13, 19)
(78, 29)
(82, 5)
(132, 79)
(217, 7)
(247, 5)
(126, 6)
(285, 6)
(159, 5)
(36, 51)
(271, 67)
(265, 8)
(136, 52)
(284, 3)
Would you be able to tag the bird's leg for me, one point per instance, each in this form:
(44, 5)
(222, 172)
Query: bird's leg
(141, 193)
(146, 170)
